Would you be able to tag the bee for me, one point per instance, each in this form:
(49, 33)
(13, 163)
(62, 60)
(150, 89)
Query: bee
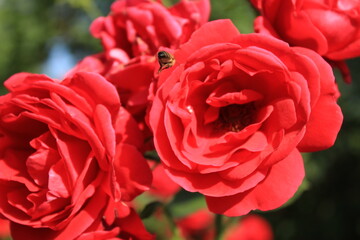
(166, 60)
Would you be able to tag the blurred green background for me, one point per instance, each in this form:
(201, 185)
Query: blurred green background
(50, 36)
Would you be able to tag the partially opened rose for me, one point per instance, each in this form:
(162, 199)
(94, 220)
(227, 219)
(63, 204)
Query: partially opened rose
(230, 118)
(69, 157)
(331, 28)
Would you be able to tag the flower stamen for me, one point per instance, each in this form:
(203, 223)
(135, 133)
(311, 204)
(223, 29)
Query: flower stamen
(236, 117)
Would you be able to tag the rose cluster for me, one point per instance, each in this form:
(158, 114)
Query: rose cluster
(228, 117)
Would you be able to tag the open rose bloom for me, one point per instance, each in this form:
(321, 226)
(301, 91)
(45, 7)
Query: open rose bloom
(232, 116)
(69, 159)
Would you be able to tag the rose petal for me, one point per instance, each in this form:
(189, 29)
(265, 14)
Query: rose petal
(104, 129)
(284, 115)
(19, 232)
(22, 80)
(222, 31)
(58, 184)
(323, 126)
(133, 225)
(300, 30)
(95, 88)
(85, 218)
(326, 116)
(242, 97)
(248, 163)
(212, 184)
(131, 183)
(263, 26)
(74, 153)
(279, 186)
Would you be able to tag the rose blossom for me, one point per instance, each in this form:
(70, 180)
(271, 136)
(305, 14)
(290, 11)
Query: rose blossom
(252, 227)
(331, 28)
(141, 27)
(232, 114)
(131, 36)
(198, 225)
(69, 158)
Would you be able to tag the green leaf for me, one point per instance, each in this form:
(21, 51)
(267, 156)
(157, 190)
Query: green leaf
(150, 209)
(152, 155)
(186, 203)
(240, 12)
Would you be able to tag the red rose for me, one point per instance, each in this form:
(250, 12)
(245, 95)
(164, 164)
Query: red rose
(251, 227)
(140, 27)
(331, 28)
(68, 151)
(198, 225)
(131, 35)
(231, 116)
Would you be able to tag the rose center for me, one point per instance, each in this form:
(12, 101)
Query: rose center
(235, 117)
